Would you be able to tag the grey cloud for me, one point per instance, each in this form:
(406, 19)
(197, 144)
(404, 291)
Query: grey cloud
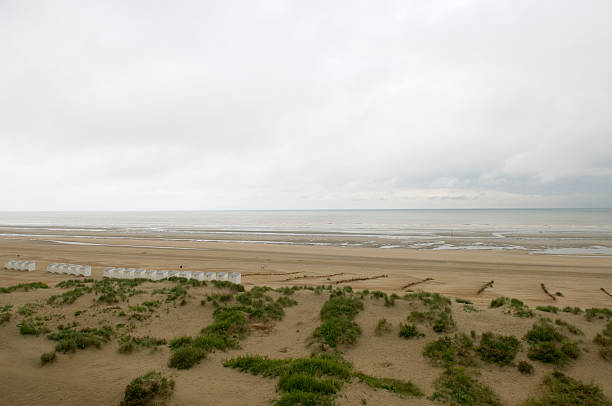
(203, 105)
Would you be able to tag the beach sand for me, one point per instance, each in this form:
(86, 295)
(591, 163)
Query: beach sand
(99, 376)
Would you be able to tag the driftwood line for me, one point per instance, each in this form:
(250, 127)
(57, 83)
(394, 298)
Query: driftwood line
(547, 292)
(362, 279)
(485, 286)
(606, 292)
(416, 283)
(312, 276)
(270, 274)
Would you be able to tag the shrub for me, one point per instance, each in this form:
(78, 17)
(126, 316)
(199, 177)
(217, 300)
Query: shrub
(336, 331)
(498, 302)
(573, 310)
(549, 345)
(525, 368)
(570, 327)
(604, 339)
(148, 390)
(391, 385)
(127, 344)
(185, 357)
(25, 287)
(382, 327)
(457, 388)
(561, 390)
(70, 340)
(341, 306)
(451, 350)
(498, 349)
(463, 301)
(409, 331)
(598, 313)
(32, 327)
(548, 309)
(47, 357)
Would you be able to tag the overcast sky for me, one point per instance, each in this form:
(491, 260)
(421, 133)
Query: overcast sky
(129, 105)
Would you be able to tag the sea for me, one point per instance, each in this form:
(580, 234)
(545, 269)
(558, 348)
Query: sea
(539, 231)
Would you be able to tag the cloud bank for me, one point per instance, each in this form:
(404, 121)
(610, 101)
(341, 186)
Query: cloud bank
(134, 105)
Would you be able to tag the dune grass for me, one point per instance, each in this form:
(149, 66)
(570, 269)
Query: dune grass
(548, 345)
(151, 389)
(451, 350)
(69, 339)
(525, 368)
(456, 387)
(498, 349)
(5, 313)
(437, 313)
(25, 287)
(604, 339)
(128, 344)
(314, 380)
(408, 331)
(382, 327)
(561, 390)
(337, 327)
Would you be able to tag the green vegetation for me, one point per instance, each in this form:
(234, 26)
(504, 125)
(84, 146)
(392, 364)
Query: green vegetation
(32, 327)
(28, 309)
(151, 389)
(74, 283)
(111, 291)
(570, 327)
(338, 327)
(408, 331)
(127, 344)
(548, 345)
(470, 309)
(229, 327)
(391, 385)
(25, 287)
(548, 309)
(69, 339)
(498, 302)
(598, 313)
(383, 327)
(464, 301)
(513, 307)
(561, 390)
(314, 380)
(573, 310)
(604, 339)
(437, 313)
(47, 357)
(455, 387)
(498, 349)
(451, 350)
(525, 368)
(68, 297)
(5, 314)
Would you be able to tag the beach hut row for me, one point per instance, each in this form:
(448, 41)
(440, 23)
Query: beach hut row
(18, 265)
(70, 269)
(154, 275)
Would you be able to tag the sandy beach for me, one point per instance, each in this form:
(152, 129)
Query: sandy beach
(99, 376)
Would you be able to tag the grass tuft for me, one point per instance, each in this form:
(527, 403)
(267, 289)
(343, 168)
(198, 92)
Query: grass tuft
(604, 339)
(561, 390)
(498, 349)
(151, 389)
(408, 331)
(383, 327)
(451, 350)
(455, 387)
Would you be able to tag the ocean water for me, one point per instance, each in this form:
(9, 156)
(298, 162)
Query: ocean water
(538, 230)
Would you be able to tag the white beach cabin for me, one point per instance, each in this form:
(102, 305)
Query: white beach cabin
(211, 276)
(185, 274)
(236, 278)
(222, 276)
(108, 272)
(139, 274)
(172, 274)
(86, 270)
(198, 276)
(17, 265)
(73, 269)
(150, 274)
(62, 268)
(51, 267)
(119, 273)
(10, 264)
(128, 273)
(162, 275)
